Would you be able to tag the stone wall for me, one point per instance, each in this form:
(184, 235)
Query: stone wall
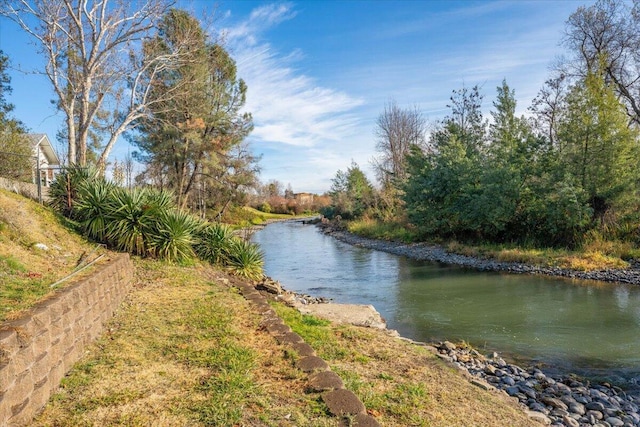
(38, 349)
(25, 189)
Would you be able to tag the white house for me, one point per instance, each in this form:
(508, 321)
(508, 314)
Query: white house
(46, 160)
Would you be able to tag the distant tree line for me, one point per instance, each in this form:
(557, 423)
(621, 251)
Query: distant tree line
(568, 170)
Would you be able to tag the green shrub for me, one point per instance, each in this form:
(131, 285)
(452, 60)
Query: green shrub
(133, 219)
(174, 234)
(213, 242)
(63, 193)
(93, 207)
(245, 259)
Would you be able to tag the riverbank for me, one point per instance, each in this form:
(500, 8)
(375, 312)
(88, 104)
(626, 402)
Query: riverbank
(550, 399)
(427, 252)
(562, 399)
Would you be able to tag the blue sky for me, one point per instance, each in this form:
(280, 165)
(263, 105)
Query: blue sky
(319, 73)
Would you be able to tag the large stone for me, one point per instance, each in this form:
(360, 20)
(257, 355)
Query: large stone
(482, 384)
(539, 417)
(360, 420)
(354, 314)
(269, 285)
(343, 403)
(595, 406)
(303, 349)
(289, 338)
(570, 422)
(325, 381)
(577, 408)
(553, 402)
(312, 364)
(278, 329)
(615, 422)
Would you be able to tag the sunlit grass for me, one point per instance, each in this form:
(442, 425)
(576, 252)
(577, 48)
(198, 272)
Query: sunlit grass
(401, 384)
(26, 272)
(374, 229)
(595, 254)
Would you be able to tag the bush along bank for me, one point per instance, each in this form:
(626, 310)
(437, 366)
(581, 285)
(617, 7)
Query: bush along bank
(426, 252)
(560, 400)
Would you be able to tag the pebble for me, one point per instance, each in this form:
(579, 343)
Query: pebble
(555, 400)
(541, 394)
(426, 252)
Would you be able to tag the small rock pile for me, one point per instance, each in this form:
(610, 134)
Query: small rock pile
(560, 401)
(274, 287)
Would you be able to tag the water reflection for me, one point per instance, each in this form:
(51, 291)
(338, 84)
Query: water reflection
(570, 325)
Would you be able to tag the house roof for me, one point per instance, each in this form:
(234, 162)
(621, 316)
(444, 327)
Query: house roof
(41, 140)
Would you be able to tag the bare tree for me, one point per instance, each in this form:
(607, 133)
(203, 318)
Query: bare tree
(547, 107)
(94, 60)
(397, 130)
(607, 35)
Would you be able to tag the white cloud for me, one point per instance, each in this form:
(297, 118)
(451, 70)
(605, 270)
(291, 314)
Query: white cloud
(260, 20)
(288, 106)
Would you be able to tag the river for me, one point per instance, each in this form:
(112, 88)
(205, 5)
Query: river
(589, 328)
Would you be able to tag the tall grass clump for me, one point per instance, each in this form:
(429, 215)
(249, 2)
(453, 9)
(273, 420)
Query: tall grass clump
(63, 193)
(214, 242)
(245, 259)
(174, 235)
(134, 216)
(93, 207)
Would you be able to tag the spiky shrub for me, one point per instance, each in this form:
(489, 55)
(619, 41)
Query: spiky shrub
(93, 207)
(63, 193)
(174, 235)
(134, 216)
(213, 243)
(245, 259)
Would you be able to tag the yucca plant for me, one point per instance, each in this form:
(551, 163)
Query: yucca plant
(213, 243)
(245, 259)
(93, 207)
(63, 193)
(174, 235)
(158, 201)
(133, 218)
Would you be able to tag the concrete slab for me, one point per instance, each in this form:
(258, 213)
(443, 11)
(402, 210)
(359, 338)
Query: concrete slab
(354, 314)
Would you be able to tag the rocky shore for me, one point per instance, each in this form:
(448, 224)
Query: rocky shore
(426, 252)
(561, 400)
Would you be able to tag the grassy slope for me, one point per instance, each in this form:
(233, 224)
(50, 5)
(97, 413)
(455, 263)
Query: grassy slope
(186, 349)
(26, 271)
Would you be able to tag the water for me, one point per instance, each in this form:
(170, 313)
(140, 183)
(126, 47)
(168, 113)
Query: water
(568, 326)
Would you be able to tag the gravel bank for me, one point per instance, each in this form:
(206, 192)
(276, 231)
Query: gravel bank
(426, 252)
(561, 400)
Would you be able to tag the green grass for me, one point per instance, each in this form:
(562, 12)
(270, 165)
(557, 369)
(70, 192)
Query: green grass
(595, 254)
(246, 216)
(184, 350)
(392, 231)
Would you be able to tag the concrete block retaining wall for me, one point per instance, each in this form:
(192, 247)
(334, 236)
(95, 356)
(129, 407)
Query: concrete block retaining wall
(38, 349)
(25, 189)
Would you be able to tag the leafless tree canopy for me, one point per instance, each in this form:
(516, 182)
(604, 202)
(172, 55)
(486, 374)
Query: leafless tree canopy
(607, 34)
(94, 62)
(397, 129)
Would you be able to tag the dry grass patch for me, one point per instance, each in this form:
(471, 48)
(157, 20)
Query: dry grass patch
(184, 349)
(403, 384)
(26, 271)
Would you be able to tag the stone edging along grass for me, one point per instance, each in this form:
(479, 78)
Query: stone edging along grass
(340, 401)
(37, 349)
